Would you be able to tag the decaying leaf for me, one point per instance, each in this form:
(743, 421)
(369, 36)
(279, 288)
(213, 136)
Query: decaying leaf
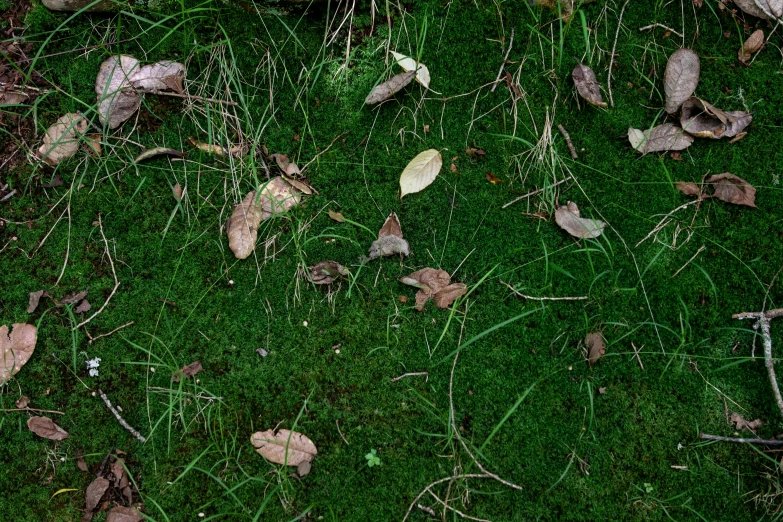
(82, 307)
(34, 299)
(161, 76)
(741, 424)
(384, 91)
(596, 347)
(207, 147)
(94, 493)
(123, 514)
(304, 468)
(284, 446)
(16, 349)
(176, 191)
(704, 120)
(92, 143)
(569, 219)
(733, 189)
(420, 172)
(410, 65)
(22, 402)
(660, 138)
(587, 85)
(117, 100)
(337, 216)
(287, 166)
(390, 241)
(751, 45)
(46, 428)
(189, 370)
(80, 462)
(325, 272)
(72, 298)
(772, 9)
(61, 139)
(276, 197)
(157, 151)
(492, 178)
(681, 78)
(753, 9)
(689, 189)
(435, 284)
(9, 97)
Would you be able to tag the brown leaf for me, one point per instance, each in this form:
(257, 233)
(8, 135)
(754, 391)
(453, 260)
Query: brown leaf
(160, 76)
(449, 294)
(569, 219)
(117, 101)
(207, 147)
(596, 347)
(157, 151)
(390, 241)
(189, 370)
(61, 139)
(704, 120)
(660, 138)
(288, 167)
(80, 462)
(284, 446)
(93, 143)
(82, 307)
(741, 424)
(123, 514)
(337, 216)
(751, 45)
(681, 78)
(390, 87)
(391, 227)
(22, 402)
(587, 85)
(57, 181)
(325, 272)
(689, 189)
(299, 184)
(176, 191)
(304, 468)
(473, 152)
(492, 178)
(429, 281)
(94, 493)
(733, 189)
(72, 298)
(16, 349)
(738, 137)
(34, 299)
(46, 428)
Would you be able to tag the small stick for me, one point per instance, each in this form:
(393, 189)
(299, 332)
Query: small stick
(614, 47)
(9, 195)
(653, 26)
(412, 374)
(93, 339)
(678, 467)
(113, 272)
(763, 321)
(32, 409)
(580, 298)
(455, 510)
(428, 510)
(537, 191)
(503, 63)
(567, 137)
(316, 156)
(636, 351)
(699, 251)
(440, 481)
(119, 417)
(68, 244)
(337, 422)
(744, 441)
(663, 222)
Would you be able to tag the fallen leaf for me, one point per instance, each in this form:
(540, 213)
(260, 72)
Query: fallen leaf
(569, 219)
(704, 120)
(325, 272)
(34, 299)
(420, 172)
(287, 166)
(12, 97)
(46, 428)
(587, 85)
(681, 78)
(741, 424)
(60, 141)
(754, 8)
(82, 307)
(57, 181)
(738, 137)
(676, 156)
(402, 298)
(94, 493)
(602, 390)
(299, 185)
(337, 216)
(207, 147)
(80, 462)
(284, 446)
(16, 349)
(512, 86)
(660, 138)
(124, 514)
(390, 241)
(449, 294)
(384, 91)
(117, 100)
(157, 151)
(751, 45)
(689, 189)
(453, 168)
(161, 76)
(176, 191)
(733, 189)
(304, 468)
(492, 178)
(410, 65)
(474, 152)
(93, 143)
(189, 370)
(72, 298)
(436, 284)
(596, 347)
(391, 227)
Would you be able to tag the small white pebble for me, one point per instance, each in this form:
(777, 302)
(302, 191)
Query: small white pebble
(304, 323)
(94, 394)
(201, 515)
(231, 281)
(570, 368)
(62, 459)
(119, 408)
(152, 370)
(337, 352)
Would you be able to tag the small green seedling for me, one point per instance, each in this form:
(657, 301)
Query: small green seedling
(373, 459)
(649, 488)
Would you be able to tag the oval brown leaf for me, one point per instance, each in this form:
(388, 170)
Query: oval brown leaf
(390, 87)
(587, 85)
(284, 446)
(751, 45)
(704, 120)
(337, 216)
(596, 347)
(733, 189)
(681, 78)
(567, 216)
(660, 138)
(16, 349)
(123, 514)
(46, 428)
(449, 294)
(157, 151)
(95, 492)
(689, 189)
(61, 139)
(117, 101)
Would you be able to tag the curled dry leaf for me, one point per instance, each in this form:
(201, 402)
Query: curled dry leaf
(82, 307)
(733, 189)
(681, 78)
(176, 191)
(34, 299)
(410, 65)
(741, 424)
(189, 370)
(16, 349)
(389, 88)
(288, 167)
(337, 216)
(390, 241)
(449, 294)
(704, 120)
(689, 189)
(22, 402)
(660, 138)
(492, 178)
(157, 151)
(94, 493)
(161, 76)
(325, 272)
(751, 45)
(569, 219)
(596, 347)
(207, 147)
(117, 101)
(123, 514)
(436, 284)
(61, 139)
(587, 85)
(420, 172)
(46, 428)
(284, 446)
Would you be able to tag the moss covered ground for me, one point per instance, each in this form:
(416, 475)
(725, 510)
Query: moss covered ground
(526, 402)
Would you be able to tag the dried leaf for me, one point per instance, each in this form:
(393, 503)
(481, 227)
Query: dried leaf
(587, 85)
(287, 166)
(660, 138)
(420, 172)
(389, 88)
(123, 514)
(34, 299)
(751, 45)
(60, 141)
(12, 97)
(689, 189)
(390, 241)
(738, 137)
(741, 424)
(753, 9)
(57, 181)
(157, 151)
(681, 78)
(391, 227)
(704, 120)
(449, 294)
(733, 189)
(207, 147)
(492, 178)
(299, 185)
(567, 216)
(474, 152)
(430, 282)
(337, 216)
(304, 468)
(92, 143)
(596, 347)
(325, 272)
(117, 100)
(176, 191)
(46, 428)
(80, 462)
(284, 446)
(410, 65)
(94, 493)
(160, 76)
(22, 402)
(82, 307)
(16, 349)
(189, 370)
(72, 298)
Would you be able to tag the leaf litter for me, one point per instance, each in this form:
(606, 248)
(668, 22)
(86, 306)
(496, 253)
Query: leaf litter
(61, 139)
(189, 370)
(587, 85)
(596, 347)
(660, 138)
(703, 120)
(570, 220)
(434, 284)
(16, 348)
(46, 428)
(384, 91)
(726, 187)
(681, 78)
(390, 241)
(284, 446)
(420, 172)
(326, 272)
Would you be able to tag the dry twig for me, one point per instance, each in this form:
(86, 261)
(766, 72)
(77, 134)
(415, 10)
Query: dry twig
(4, 410)
(537, 191)
(567, 137)
(580, 298)
(113, 273)
(412, 374)
(614, 47)
(93, 339)
(706, 436)
(653, 26)
(503, 63)
(119, 417)
(762, 320)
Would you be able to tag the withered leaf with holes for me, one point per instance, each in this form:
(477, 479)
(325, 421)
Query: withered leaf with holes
(681, 78)
(435, 284)
(704, 120)
(189, 370)
(741, 424)
(751, 45)
(284, 446)
(733, 189)
(660, 138)
(16, 349)
(569, 219)
(390, 241)
(390, 87)
(596, 347)
(325, 272)
(46, 428)
(587, 85)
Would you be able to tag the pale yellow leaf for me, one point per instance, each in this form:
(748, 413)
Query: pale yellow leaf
(420, 172)
(409, 64)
